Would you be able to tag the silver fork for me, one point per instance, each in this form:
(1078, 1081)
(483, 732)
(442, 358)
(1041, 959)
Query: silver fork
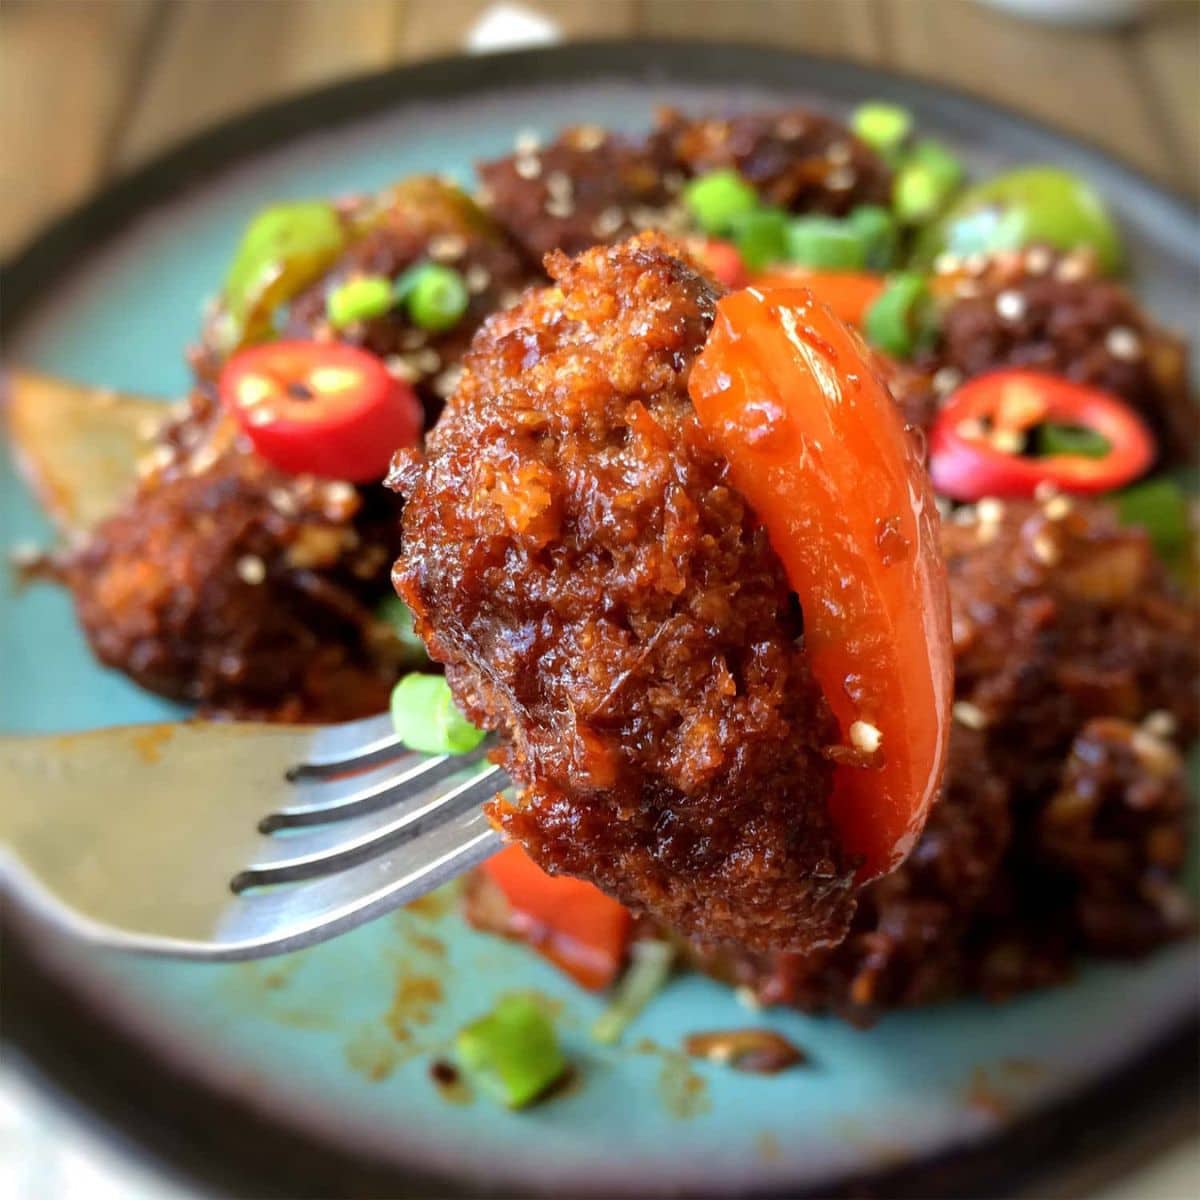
(218, 841)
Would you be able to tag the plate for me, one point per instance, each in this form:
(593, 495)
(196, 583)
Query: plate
(310, 1073)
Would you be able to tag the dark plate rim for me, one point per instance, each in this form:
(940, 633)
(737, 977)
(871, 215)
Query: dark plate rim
(189, 1125)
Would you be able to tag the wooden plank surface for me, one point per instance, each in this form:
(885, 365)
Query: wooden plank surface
(92, 87)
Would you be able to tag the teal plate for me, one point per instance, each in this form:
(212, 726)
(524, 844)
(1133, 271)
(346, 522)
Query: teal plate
(324, 1055)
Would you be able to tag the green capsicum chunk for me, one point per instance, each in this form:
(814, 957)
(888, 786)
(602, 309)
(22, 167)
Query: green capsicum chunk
(513, 1052)
(1160, 507)
(427, 720)
(284, 249)
(1020, 208)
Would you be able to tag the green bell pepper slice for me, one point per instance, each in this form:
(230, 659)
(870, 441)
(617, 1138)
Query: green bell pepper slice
(1020, 208)
(284, 249)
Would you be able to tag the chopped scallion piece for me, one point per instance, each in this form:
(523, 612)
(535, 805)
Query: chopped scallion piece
(1160, 507)
(882, 126)
(717, 198)
(435, 295)
(926, 180)
(512, 1052)
(394, 612)
(761, 237)
(1071, 439)
(826, 243)
(877, 228)
(901, 319)
(359, 299)
(649, 968)
(426, 718)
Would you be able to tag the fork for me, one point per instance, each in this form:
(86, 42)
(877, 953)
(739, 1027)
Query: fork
(219, 842)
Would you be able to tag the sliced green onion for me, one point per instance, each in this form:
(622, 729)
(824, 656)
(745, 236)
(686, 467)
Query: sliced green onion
(1075, 440)
(925, 182)
(435, 295)
(877, 228)
(359, 299)
(513, 1052)
(394, 612)
(717, 198)
(761, 237)
(1160, 507)
(648, 971)
(901, 320)
(826, 243)
(426, 718)
(882, 126)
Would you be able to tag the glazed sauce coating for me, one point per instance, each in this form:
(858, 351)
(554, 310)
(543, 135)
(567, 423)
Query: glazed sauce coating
(602, 596)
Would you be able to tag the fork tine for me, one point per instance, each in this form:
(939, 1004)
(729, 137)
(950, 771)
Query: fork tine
(357, 839)
(299, 914)
(350, 746)
(322, 799)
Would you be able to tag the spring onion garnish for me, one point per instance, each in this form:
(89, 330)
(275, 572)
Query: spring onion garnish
(649, 968)
(426, 718)
(513, 1052)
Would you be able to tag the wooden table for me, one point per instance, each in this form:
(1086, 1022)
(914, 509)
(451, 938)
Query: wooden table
(90, 88)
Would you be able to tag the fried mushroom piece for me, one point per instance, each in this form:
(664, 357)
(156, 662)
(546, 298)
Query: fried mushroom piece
(1041, 310)
(605, 601)
(227, 583)
(420, 220)
(797, 159)
(1060, 615)
(587, 187)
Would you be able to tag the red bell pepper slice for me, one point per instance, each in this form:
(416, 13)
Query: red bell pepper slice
(974, 448)
(569, 921)
(321, 408)
(814, 442)
(848, 293)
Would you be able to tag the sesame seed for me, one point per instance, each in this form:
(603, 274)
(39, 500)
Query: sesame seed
(477, 278)
(559, 185)
(946, 380)
(283, 502)
(1038, 261)
(865, 737)
(841, 179)
(448, 380)
(413, 339)
(747, 997)
(1153, 753)
(1045, 549)
(1057, 507)
(527, 141)
(339, 492)
(947, 264)
(990, 510)
(251, 569)
(608, 222)
(791, 126)
(1160, 724)
(528, 167)
(839, 153)
(1008, 441)
(426, 361)
(1123, 343)
(559, 208)
(1072, 269)
(447, 247)
(400, 368)
(509, 297)
(1011, 306)
(588, 137)
(970, 715)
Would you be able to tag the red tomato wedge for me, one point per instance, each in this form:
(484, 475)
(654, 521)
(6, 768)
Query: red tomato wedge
(815, 443)
(571, 922)
(321, 408)
(848, 293)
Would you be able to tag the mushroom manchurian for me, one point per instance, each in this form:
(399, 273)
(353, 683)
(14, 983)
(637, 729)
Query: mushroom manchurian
(602, 595)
